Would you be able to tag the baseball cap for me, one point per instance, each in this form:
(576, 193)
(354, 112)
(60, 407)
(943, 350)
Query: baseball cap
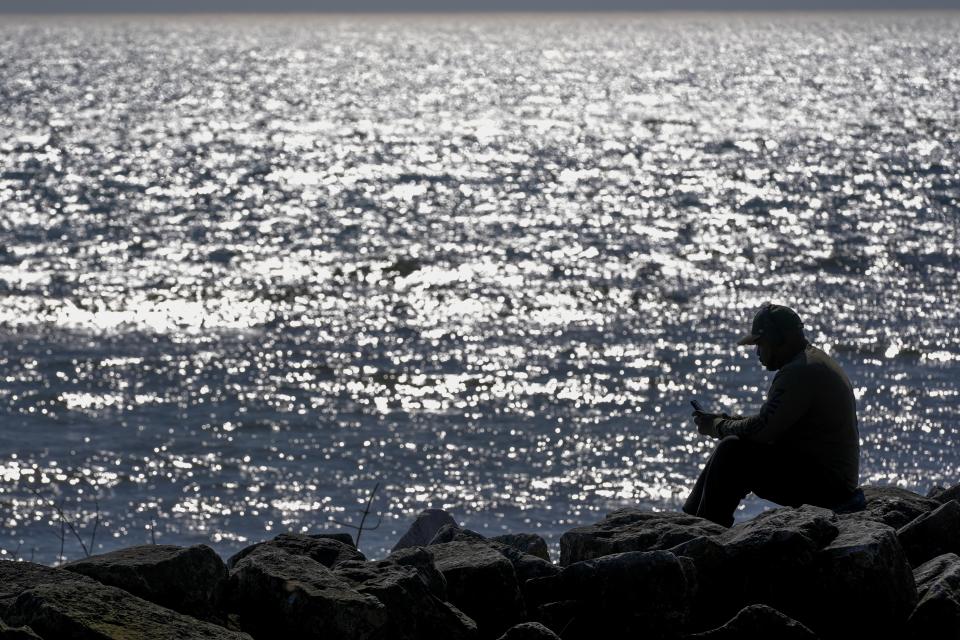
(771, 318)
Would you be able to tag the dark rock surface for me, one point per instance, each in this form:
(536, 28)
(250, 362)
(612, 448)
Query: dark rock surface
(647, 594)
(944, 494)
(325, 550)
(421, 559)
(529, 631)
(770, 560)
(96, 611)
(937, 614)
(413, 613)
(863, 587)
(278, 594)
(424, 528)
(892, 506)
(632, 530)
(932, 534)
(527, 542)
(758, 622)
(186, 579)
(482, 583)
(345, 538)
(17, 633)
(17, 577)
(452, 532)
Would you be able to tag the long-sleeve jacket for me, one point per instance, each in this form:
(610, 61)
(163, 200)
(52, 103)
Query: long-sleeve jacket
(810, 408)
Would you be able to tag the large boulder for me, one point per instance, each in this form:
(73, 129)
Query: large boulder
(339, 536)
(892, 506)
(863, 586)
(632, 530)
(932, 534)
(526, 566)
(451, 532)
(421, 559)
(527, 542)
(328, 551)
(424, 528)
(413, 612)
(278, 594)
(94, 611)
(718, 593)
(767, 560)
(17, 577)
(758, 622)
(944, 494)
(185, 579)
(529, 631)
(482, 583)
(937, 614)
(17, 633)
(647, 594)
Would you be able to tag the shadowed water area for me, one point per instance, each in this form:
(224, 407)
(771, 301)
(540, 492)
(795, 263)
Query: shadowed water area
(250, 268)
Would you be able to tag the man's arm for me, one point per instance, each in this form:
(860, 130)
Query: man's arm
(787, 401)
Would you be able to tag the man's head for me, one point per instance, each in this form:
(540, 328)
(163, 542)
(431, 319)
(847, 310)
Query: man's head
(777, 331)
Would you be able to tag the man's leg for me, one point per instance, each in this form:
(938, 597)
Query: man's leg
(727, 479)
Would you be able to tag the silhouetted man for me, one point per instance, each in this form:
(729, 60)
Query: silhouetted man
(803, 446)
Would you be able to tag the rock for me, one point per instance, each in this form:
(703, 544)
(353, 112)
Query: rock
(944, 494)
(527, 542)
(94, 611)
(452, 532)
(805, 529)
(424, 528)
(758, 622)
(632, 530)
(863, 586)
(279, 594)
(421, 559)
(17, 633)
(185, 579)
(413, 613)
(327, 551)
(647, 594)
(345, 538)
(717, 592)
(529, 631)
(892, 506)
(526, 567)
(482, 583)
(932, 534)
(17, 577)
(937, 614)
(766, 560)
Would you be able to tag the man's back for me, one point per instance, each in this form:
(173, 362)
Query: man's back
(810, 408)
(827, 430)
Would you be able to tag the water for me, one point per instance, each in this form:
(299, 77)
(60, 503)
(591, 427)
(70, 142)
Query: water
(250, 268)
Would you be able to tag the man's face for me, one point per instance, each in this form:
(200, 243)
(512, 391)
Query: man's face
(765, 353)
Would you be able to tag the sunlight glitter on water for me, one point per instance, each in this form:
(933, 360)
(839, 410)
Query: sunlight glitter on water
(250, 269)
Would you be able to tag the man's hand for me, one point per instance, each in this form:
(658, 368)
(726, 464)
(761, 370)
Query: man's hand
(707, 423)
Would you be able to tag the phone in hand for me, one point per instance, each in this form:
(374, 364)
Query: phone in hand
(697, 406)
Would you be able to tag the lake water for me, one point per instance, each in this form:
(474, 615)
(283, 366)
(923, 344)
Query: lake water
(251, 267)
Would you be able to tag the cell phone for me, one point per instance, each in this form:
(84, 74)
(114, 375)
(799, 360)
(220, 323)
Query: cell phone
(697, 406)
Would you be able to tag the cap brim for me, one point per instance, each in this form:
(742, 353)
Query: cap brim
(748, 339)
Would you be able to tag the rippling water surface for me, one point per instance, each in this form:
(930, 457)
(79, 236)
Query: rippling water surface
(250, 268)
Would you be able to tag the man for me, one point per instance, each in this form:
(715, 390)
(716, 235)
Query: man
(803, 446)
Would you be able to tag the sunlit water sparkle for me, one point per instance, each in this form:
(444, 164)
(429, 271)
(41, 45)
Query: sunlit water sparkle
(250, 268)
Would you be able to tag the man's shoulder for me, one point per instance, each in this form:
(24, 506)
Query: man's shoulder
(807, 361)
(819, 364)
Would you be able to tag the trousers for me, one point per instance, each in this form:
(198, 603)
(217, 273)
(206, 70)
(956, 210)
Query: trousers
(738, 467)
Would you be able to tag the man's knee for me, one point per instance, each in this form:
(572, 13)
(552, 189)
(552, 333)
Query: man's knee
(730, 446)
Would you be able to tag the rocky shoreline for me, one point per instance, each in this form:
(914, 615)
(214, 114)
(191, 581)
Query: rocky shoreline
(890, 569)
